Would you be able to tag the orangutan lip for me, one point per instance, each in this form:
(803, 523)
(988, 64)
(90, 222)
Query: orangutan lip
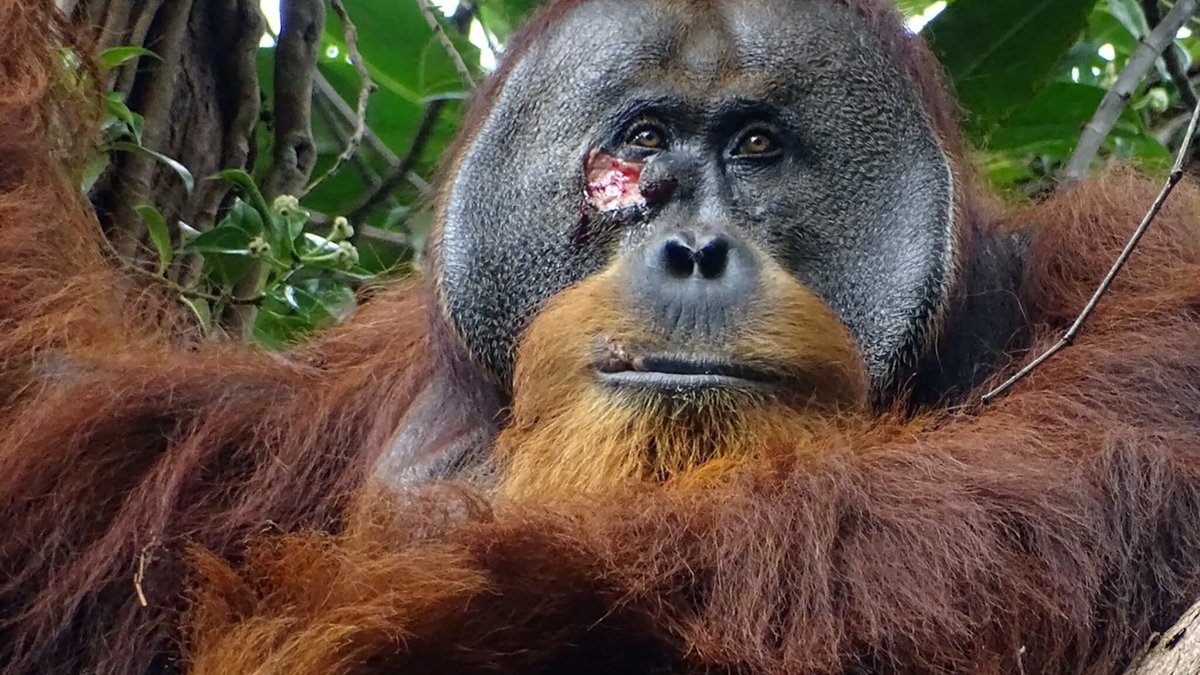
(661, 372)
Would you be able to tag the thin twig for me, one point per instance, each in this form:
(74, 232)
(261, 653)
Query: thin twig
(1117, 98)
(1170, 56)
(401, 170)
(180, 290)
(127, 264)
(139, 575)
(330, 95)
(368, 87)
(427, 11)
(341, 131)
(1181, 160)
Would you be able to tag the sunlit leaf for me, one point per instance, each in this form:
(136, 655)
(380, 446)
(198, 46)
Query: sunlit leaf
(115, 56)
(184, 175)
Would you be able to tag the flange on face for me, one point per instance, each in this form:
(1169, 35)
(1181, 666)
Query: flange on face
(857, 204)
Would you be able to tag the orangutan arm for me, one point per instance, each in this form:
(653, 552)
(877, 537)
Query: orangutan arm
(1053, 531)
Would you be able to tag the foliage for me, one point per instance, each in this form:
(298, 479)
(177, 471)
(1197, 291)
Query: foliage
(1030, 74)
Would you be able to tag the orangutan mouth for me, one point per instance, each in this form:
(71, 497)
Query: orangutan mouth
(676, 372)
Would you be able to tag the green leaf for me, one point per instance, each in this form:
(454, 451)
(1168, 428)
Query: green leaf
(337, 298)
(1048, 127)
(227, 270)
(114, 105)
(186, 176)
(394, 120)
(277, 331)
(245, 182)
(1056, 117)
(308, 306)
(410, 67)
(201, 311)
(92, 169)
(392, 37)
(503, 17)
(187, 233)
(439, 76)
(1129, 13)
(160, 235)
(227, 239)
(1103, 28)
(244, 217)
(115, 56)
(999, 53)
(289, 312)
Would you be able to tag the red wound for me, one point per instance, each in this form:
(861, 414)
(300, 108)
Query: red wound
(612, 183)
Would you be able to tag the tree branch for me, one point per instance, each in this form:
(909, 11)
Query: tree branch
(295, 65)
(401, 169)
(136, 170)
(367, 88)
(430, 18)
(1171, 57)
(1118, 96)
(1181, 160)
(294, 153)
(238, 71)
(1175, 652)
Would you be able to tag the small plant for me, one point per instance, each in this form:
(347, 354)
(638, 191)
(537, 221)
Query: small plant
(265, 257)
(266, 268)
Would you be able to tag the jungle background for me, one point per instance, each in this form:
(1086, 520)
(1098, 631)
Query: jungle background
(265, 162)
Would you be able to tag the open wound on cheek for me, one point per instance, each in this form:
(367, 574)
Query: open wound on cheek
(612, 183)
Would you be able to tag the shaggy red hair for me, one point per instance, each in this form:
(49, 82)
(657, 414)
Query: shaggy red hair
(120, 441)
(1051, 531)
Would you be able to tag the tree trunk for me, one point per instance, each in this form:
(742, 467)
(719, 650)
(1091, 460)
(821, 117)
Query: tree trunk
(200, 103)
(1175, 652)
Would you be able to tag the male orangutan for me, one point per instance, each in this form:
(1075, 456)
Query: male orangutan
(690, 385)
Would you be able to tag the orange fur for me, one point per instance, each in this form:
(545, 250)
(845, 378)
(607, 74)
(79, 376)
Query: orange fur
(121, 441)
(1049, 532)
(571, 434)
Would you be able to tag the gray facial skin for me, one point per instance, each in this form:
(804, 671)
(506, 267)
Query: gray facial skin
(857, 203)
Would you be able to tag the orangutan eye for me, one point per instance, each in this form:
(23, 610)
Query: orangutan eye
(757, 143)
(646, 135)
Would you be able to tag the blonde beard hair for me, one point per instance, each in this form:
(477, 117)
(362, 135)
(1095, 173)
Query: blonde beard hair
(572, 434)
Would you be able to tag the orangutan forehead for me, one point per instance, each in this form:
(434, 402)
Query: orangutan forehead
(737, 47)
